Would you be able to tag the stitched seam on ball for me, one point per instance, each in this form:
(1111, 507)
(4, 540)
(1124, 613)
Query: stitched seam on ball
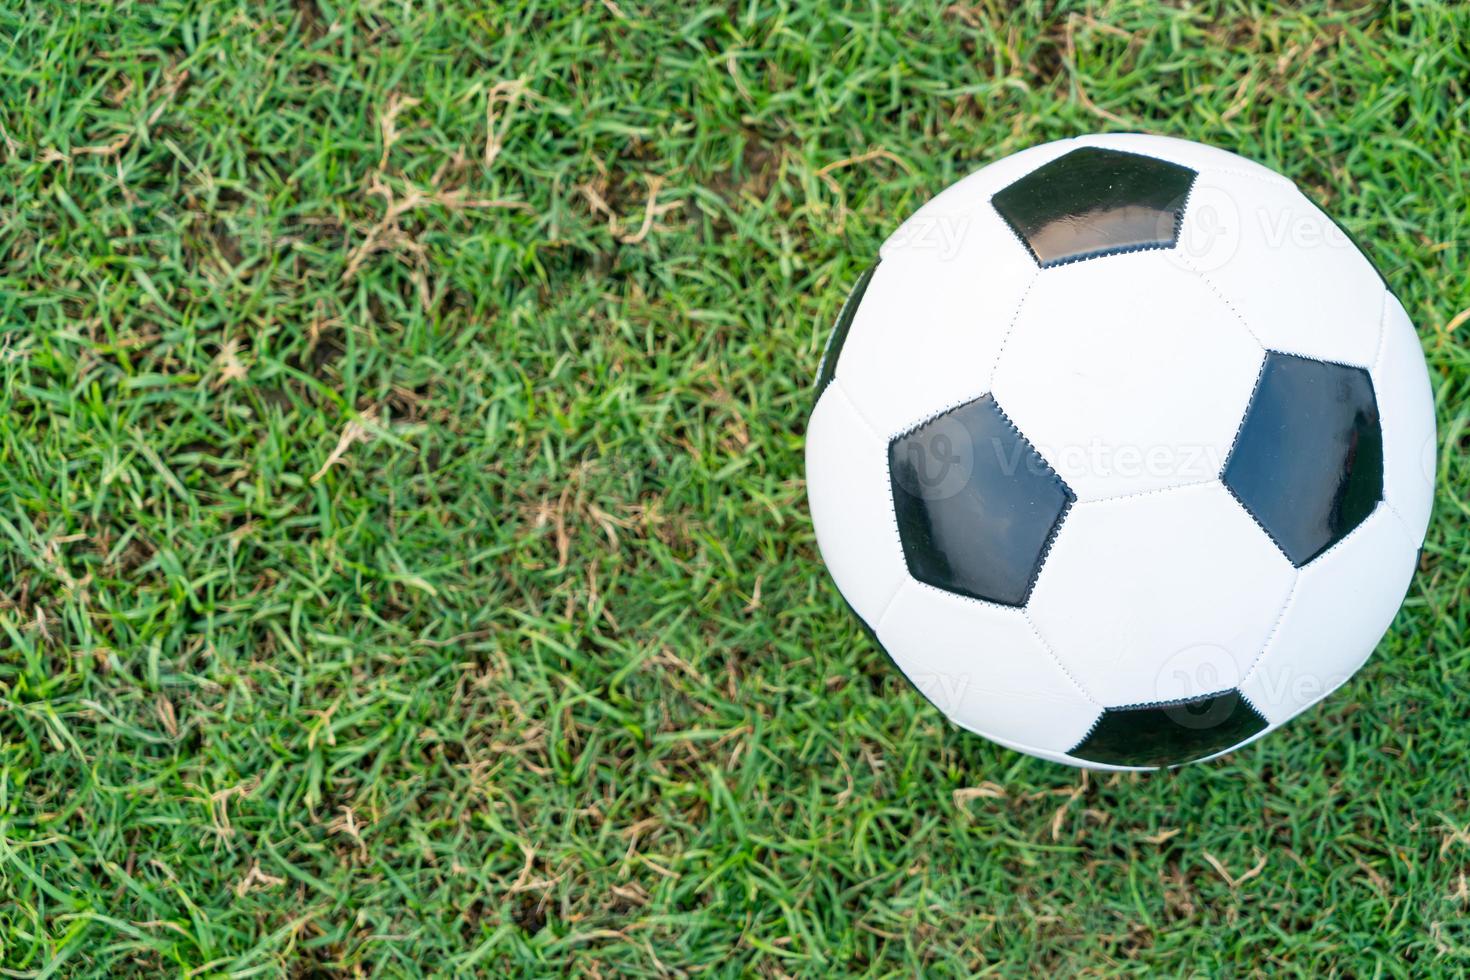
(897, 588)
(962, 596)
(1316, 357)
(887, 482)
(1296, 581)
(857, 409)
(1361, 524)
(1382, 333)
(1010, 329)
(1102, 713)
(1240, 426)
(1402, 522)
(953, 406)
(1018, 746)
(956, 406)
(1244, 323)
(1275, 627)
(1204, 277)
(1277, 179)
(989, 382)
(1184, 208)
(1251, 514)
(1061, 484)
(1230, 455)
(1170, 703)
(1051, 538)
(1016, 231)
(1117, 250)
(893, 522)
(1148, 493)
(1403, 526)
(1063, 668)
(1254, 707)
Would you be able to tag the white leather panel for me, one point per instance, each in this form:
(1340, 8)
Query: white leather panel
(984, 667)
(1406, 412)
(1343, 602)
(1128, 374)
(926, 334)
(1160, 597)
(1297, 281)
(851, 505)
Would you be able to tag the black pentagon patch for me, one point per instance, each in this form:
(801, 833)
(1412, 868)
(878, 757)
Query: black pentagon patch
(1308, 460)
(977, 506)
(1093, 202)
(1170, 733)
(838, 336)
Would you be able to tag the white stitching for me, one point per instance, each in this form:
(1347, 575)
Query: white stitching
(888, 483)
(1296, 578)
(910, 429)
(1317, 357)
(1056, 528)
(1383, 502)
(857, 409)
(965, 399)
(1145, 493)
(1280, 180)
(1058, 661)
(1245, 413)
(1382, 332)
(1090, 729)
(887, 606)
(1171, 702)
(1234, 444)
(1010, 329)
(1258, 522)
(1121, 249)
(1221, 297)
(1403, 523)
(984, 603)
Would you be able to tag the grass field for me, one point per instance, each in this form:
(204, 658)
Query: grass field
(404, 563)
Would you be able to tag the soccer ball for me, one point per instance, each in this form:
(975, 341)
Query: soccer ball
(1122, 451)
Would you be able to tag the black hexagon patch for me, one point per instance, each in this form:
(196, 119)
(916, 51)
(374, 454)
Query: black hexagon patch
(1308, 461)
(1093, 202)
(1170, 733)
(977, 506)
